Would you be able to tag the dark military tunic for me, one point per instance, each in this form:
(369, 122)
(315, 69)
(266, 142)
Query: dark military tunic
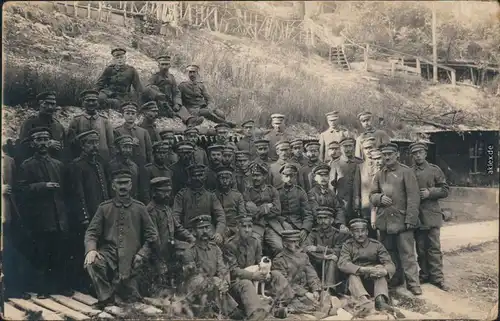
(211, 182)
(234, 205)
(194, 94)
(151, 171)
(367, 171)
(57, 132)
(295, 207)
(346, 177)
(118, 163)
(302, 160)
(263, 195)
(143, 151)
(118, 231)
(381, 138)
(328, 136)
(243, 180)
(90, 186)
(274, 172)
(165, 84)
(274, 136)
(152, 130)
(97, 122)
(354, 255)
(306, 177)
(171, 158)
(298, 270)
(319, 197)
(118, 80)
(200, 156)
(180, 177)
(190, 203)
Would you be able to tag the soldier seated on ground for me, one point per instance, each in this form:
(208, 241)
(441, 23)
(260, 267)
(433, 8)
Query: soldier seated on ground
(368, 265)
(115, 83)
(323, 245)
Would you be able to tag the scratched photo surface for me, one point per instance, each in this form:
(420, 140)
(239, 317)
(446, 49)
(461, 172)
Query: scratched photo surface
(296, 160)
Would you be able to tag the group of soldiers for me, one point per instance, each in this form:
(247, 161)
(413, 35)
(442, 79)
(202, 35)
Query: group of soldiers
(130, 211)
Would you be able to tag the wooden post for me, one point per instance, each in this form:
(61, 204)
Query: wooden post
(216, 19)
(419, 69)
(393, 68)
(100, 11)
(124, 10)
(367, 50)
(453, 78)
(88, 11)
(256, 27)
(66, 6)
(190, 15)
(75, 6)
(434, 45)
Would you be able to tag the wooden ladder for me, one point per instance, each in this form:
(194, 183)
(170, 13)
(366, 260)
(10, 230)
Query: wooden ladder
(337, 56)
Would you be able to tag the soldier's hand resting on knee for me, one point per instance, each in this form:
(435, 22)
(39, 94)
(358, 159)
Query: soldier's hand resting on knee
(91, 257)
(378, 272)
(385, 200)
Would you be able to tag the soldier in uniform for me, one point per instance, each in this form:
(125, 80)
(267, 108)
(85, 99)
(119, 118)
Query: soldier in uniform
(45, 118)
(215, 160)
(377, 163)
(334, 133)
(294, 264)
(200, 156)
(231, 200)
(283, 150)
(123, 160)
(157, 168)
(345, 179)
(368, 144)
(367, 264)
(324, 244)
(195, 200)
(262, 148)
(306, 179)
(115, 83)
(150, 114)
(297, 147)
(381, 137)
(163, 89)
(196, 98)
(321, 195)
(41, 180)
(142, 152)
(222, 134)
(92, 120)
(228, 156)
(168, 137)
(295, 209)
(169, 231)
(433, 186)
(207, 274)
(367, 170)
(276, 134)
(263, 202)
(396, 194)
(243, 250)
(180, 174)
(118, 241)
(242, 174)
(333, 152)
(248, 141)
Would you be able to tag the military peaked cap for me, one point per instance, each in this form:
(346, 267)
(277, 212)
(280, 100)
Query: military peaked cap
(221, 125)
(333, 144)
(332, 114)
(192, 68)
(416, 146)
(369, 141)
(290, 235)
(247, 122)
(244, 217)
(347, 141)
(282, 142)
(228, 148)
(325, 211)
(164, 58)
(166, 132)
(288, 169)
(261, 142)
(364, 114)
(47, 95)
(321, 168)
(124, 140)
(277, 116)
(37, 130)
(215, 147)
(185, 146)
(159, 145)
(296, 141)
(161, 181)
(201, 220)
(314, 143)
(121, 173)
(118, 52)
(375, 154)
(196, 168)
(358, 222)
(258, 168)
(150, 105)
(242, 154)
(391, 147)
(224, 171)
(190, 130)
(89, 92)
(129, 105)
(84, 135)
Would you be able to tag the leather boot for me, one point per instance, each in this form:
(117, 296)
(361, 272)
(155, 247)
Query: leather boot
(382, 305)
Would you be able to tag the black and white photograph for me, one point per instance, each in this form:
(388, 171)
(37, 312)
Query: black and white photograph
(250, 160)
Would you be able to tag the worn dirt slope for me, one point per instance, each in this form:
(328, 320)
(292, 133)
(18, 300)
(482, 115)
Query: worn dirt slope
(45, 49)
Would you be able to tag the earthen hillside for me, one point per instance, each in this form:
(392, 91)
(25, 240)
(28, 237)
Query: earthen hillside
(44, 49)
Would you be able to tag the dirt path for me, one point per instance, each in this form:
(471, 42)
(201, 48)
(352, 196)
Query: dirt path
(457, 236)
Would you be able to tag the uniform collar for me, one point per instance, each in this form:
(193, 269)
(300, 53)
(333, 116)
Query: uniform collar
(334, 129)
(347, 160)
(120, 203)
(422, 166)
(203, 245)
(41, 157)
(311, 164)
(364, 245)
(161, 166)
(322, 191)
(392, 168)
(370, 131)
(93, 117)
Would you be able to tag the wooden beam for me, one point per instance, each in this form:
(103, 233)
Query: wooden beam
(434, 45)
(75, 305)
(12, 313)
(30, 306)
(54, 306)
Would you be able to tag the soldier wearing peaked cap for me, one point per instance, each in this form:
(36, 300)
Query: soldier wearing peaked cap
(215, 160)
(142, 151)
(196, 99)
(294, 264)
(168, 137)
(242, 175)
(381, 137)
(334, 133)
(306, 179)
(169, 231)
(195, 200)
(123, 160)
(395, 193)
(284, 157)
(180, 175)
(115, 83)
(149, 111)
(345, 178)
(297, 147)
(333, 152)
(45, 118)
(262, 150)
(231, 200)
(276, 134)
(222, 135)
(118, 241)
(200, 156)
(321, 195)
(367, 264)
(324, 244)
(41, 181)
(248, 141)
(92, 120)
(158, 168)
(432, 185)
